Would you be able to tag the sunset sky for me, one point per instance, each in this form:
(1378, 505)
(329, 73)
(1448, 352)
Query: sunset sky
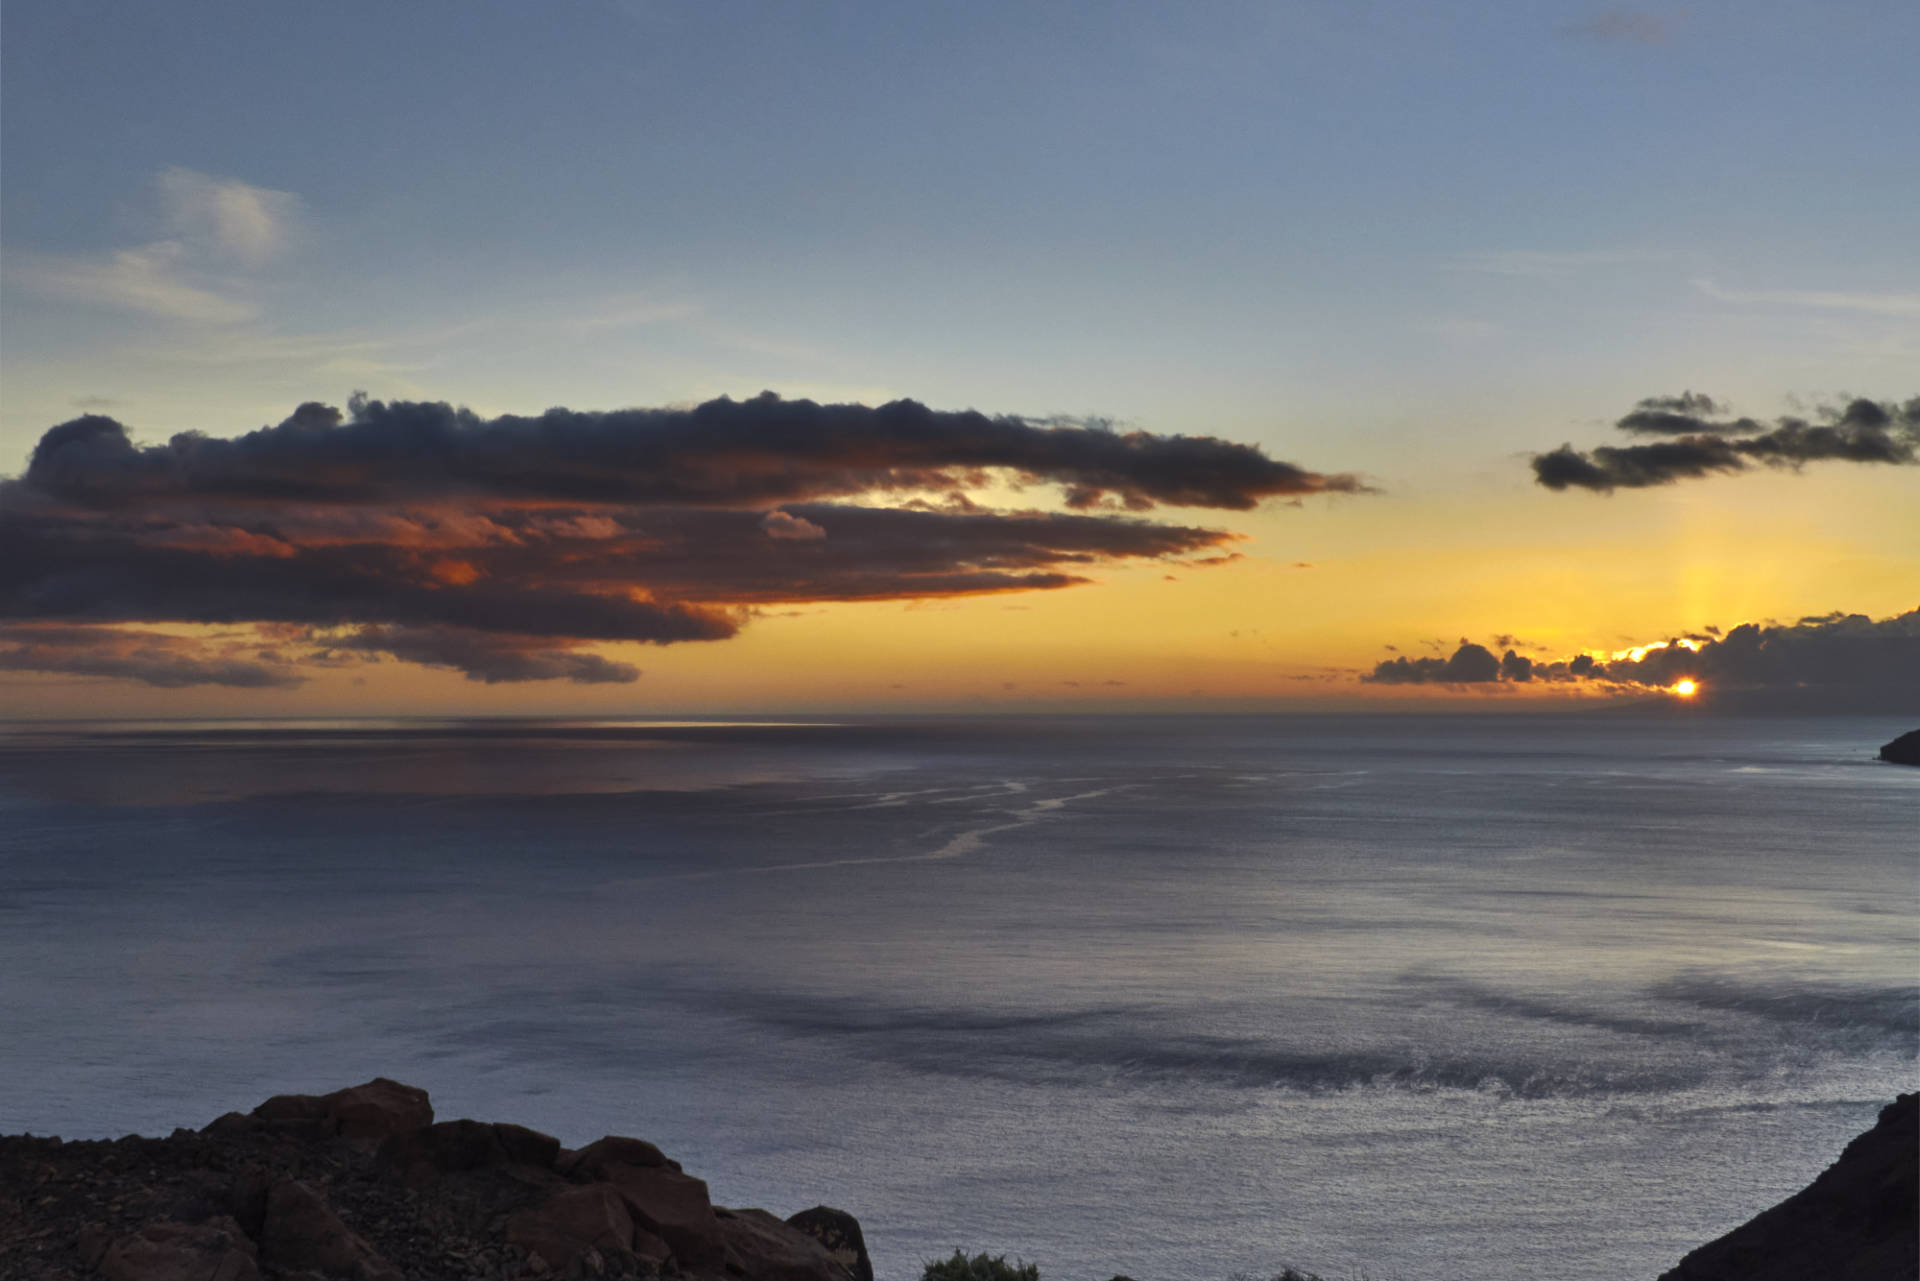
(1241, 342)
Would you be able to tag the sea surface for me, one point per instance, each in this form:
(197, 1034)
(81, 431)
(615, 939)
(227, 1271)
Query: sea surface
(1497, 998)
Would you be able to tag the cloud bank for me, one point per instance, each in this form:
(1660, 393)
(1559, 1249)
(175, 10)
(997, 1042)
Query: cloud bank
(1701, 444)
(1836, 660)
(502, 547)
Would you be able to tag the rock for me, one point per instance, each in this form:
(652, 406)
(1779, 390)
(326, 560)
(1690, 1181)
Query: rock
(1859, 1221)
(760, 1246)
(600, 1158)
(302, 1232)
(573, 1221)
(449, 1147)
(674, 1207)
(363, 1185)
(840, 1233)
(366, 1113)
(1904, 750)
(212, 1251)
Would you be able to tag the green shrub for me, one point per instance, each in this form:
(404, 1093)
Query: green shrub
(981, 1267)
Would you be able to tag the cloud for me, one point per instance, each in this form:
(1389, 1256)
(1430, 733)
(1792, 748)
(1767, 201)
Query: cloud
(1546, 264)
(504, 547)
(491, 659)
(1861, 431)
(1470, 665)
(216, 226)
(764, 451)
(1830, 662)
(151, 658)
(787, 526)
(1818, 299)
(230, 218)
(1623, 26)
(145, 280)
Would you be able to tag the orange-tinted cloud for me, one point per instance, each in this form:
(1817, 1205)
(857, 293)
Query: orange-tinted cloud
(502, 547)
(1840, 661)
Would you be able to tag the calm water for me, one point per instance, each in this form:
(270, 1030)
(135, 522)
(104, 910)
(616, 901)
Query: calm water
(1428, 998)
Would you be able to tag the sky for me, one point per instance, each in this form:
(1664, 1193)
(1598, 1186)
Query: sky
(1184, 356)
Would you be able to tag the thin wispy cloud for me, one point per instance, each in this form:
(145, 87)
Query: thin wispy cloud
(1880, 304)
(1546, 264)
(151, 281)
(218, 231)
(1623, 26)
(230, 218)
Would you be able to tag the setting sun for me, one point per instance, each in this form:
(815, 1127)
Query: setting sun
(1686, 689)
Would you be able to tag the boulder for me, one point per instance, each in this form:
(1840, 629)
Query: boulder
(840, 1233)
(216, 1250)
(1904, 750)
(573, 1221)
(600, 1158)
(365, 1113)
(674, 1207)
(1859, 1221)
(760, 1246)
(301, 1232)
(449, 1147)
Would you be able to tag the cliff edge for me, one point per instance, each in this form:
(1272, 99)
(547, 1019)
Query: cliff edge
(1859, 1221)
(1904, 750)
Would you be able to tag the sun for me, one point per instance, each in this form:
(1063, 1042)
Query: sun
(1686, 689)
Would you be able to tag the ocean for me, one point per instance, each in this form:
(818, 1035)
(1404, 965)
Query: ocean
(1185, 998)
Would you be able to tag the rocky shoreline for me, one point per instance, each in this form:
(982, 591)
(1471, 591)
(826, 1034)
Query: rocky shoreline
(364, 1185)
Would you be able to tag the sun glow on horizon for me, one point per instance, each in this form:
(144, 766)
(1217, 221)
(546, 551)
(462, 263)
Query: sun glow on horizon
(1686, 688)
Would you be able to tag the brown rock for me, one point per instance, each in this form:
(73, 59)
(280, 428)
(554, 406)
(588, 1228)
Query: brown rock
(1859, 1221)
(364, 1113)
(840, 1233)
(766, 1249)
(573, 1221)
(599, 1159)
(231, 1123)
(418, 1156)
(527, 1147)
(674, 1207)
(301, 1232)
(650, 1247)
(212, 1251)
(377, 1109)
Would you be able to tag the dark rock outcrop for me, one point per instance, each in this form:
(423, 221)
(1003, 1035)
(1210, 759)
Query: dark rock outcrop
(1859, 1221)
(840, 1233)
(168, 1251)
(363, 1185)
(1904, 750)
(302, 1233)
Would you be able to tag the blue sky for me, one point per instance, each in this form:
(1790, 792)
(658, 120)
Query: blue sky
(1407, 240)
(1243, 217)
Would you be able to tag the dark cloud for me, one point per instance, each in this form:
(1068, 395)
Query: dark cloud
(152, 658)
(1470, 665)
(756, 453)
(500, 547)
(1689, 413)
(1833, 662)
(1861, 431)
(488, 658)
